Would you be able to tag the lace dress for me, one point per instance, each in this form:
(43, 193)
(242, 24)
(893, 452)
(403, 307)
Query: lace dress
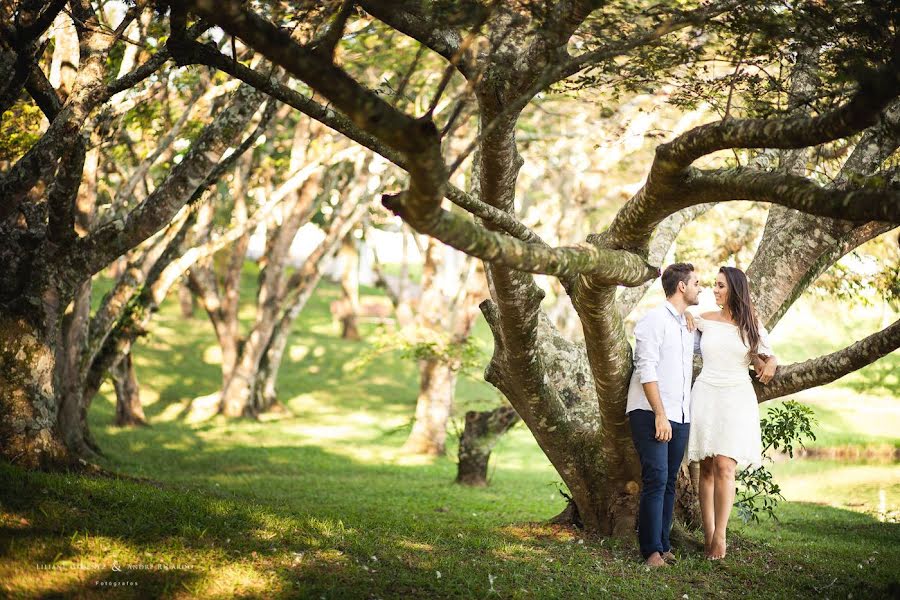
(724, 413)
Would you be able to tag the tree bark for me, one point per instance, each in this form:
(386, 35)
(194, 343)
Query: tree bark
(349, 257)
(29, 435)
(129, 411)
(481, 433)
(71, 422)
(186, 300)
(437, 385)
(236, 399)
(301, 286)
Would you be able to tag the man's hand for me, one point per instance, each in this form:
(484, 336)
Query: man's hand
(663, 429)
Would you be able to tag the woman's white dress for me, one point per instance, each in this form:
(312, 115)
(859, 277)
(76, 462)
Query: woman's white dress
(724, 413)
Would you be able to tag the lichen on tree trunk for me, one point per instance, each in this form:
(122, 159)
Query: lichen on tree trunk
(29, 435)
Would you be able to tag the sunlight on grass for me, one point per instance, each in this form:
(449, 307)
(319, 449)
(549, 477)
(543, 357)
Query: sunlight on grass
(856, 487)
(235, 579)
(173, 412)
(296, 352)
(323, 502)
(212, 355)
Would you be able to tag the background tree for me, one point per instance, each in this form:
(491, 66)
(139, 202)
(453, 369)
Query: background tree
(53, 239)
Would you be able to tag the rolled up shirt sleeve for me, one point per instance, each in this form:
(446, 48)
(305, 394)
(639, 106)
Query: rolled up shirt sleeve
(648, 334)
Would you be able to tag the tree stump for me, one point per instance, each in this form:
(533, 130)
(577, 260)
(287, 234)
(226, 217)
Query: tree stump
(482, 432)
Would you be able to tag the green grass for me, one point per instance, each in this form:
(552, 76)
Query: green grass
(862, 408)
(321, 503)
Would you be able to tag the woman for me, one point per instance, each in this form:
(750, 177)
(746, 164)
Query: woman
(725, 432)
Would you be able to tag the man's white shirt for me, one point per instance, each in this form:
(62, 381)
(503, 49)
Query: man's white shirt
(664, 352)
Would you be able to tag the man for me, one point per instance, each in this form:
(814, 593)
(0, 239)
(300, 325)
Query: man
(659, 406)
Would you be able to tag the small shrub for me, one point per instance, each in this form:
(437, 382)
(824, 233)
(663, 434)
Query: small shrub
(783, 428)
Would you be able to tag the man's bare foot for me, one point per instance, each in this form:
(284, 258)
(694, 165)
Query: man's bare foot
(655, 560)
(669, 557)
(716, 549)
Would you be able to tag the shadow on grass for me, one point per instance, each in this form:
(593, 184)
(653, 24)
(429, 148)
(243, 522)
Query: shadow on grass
(303, 521)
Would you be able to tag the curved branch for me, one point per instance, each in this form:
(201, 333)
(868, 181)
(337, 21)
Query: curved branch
(876, 90)
(91, 253)
(424, 28)
(612, 266)
(645, 37)
(398, 130)
(189, 51)
(815, 243)
(794, 192)
(797, 377)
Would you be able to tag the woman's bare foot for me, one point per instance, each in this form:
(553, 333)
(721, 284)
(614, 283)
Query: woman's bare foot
(707, 544)
(669, 557)
(655, 560)
(716, 549)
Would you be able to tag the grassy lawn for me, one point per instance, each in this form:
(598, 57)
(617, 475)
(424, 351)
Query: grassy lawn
(322, 504)
(861, 409)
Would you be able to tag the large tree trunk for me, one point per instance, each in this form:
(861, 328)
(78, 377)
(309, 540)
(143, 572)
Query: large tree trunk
(437, 383)
(450, 319)
(76, 330)
(237, 392)
(481, 433)
(72, 410)
(29, 435)
(128, 401)
(265, 389)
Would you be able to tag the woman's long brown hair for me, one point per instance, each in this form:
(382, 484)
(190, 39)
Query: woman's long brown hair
(741, 307)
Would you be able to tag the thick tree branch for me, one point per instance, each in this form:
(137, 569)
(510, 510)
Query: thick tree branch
(816, 243)
(614, 266)
(664, 193)
(63, 191)
(41, 159)
(876, 90)
(427, 28)
(192, 52)
(398, 130)
(92, 253)
(794, 192)
(797, 377)
(39, 88)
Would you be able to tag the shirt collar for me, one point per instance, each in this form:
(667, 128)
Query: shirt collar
(674, 311)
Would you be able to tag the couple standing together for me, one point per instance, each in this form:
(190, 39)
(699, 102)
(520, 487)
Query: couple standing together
(716, 420)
